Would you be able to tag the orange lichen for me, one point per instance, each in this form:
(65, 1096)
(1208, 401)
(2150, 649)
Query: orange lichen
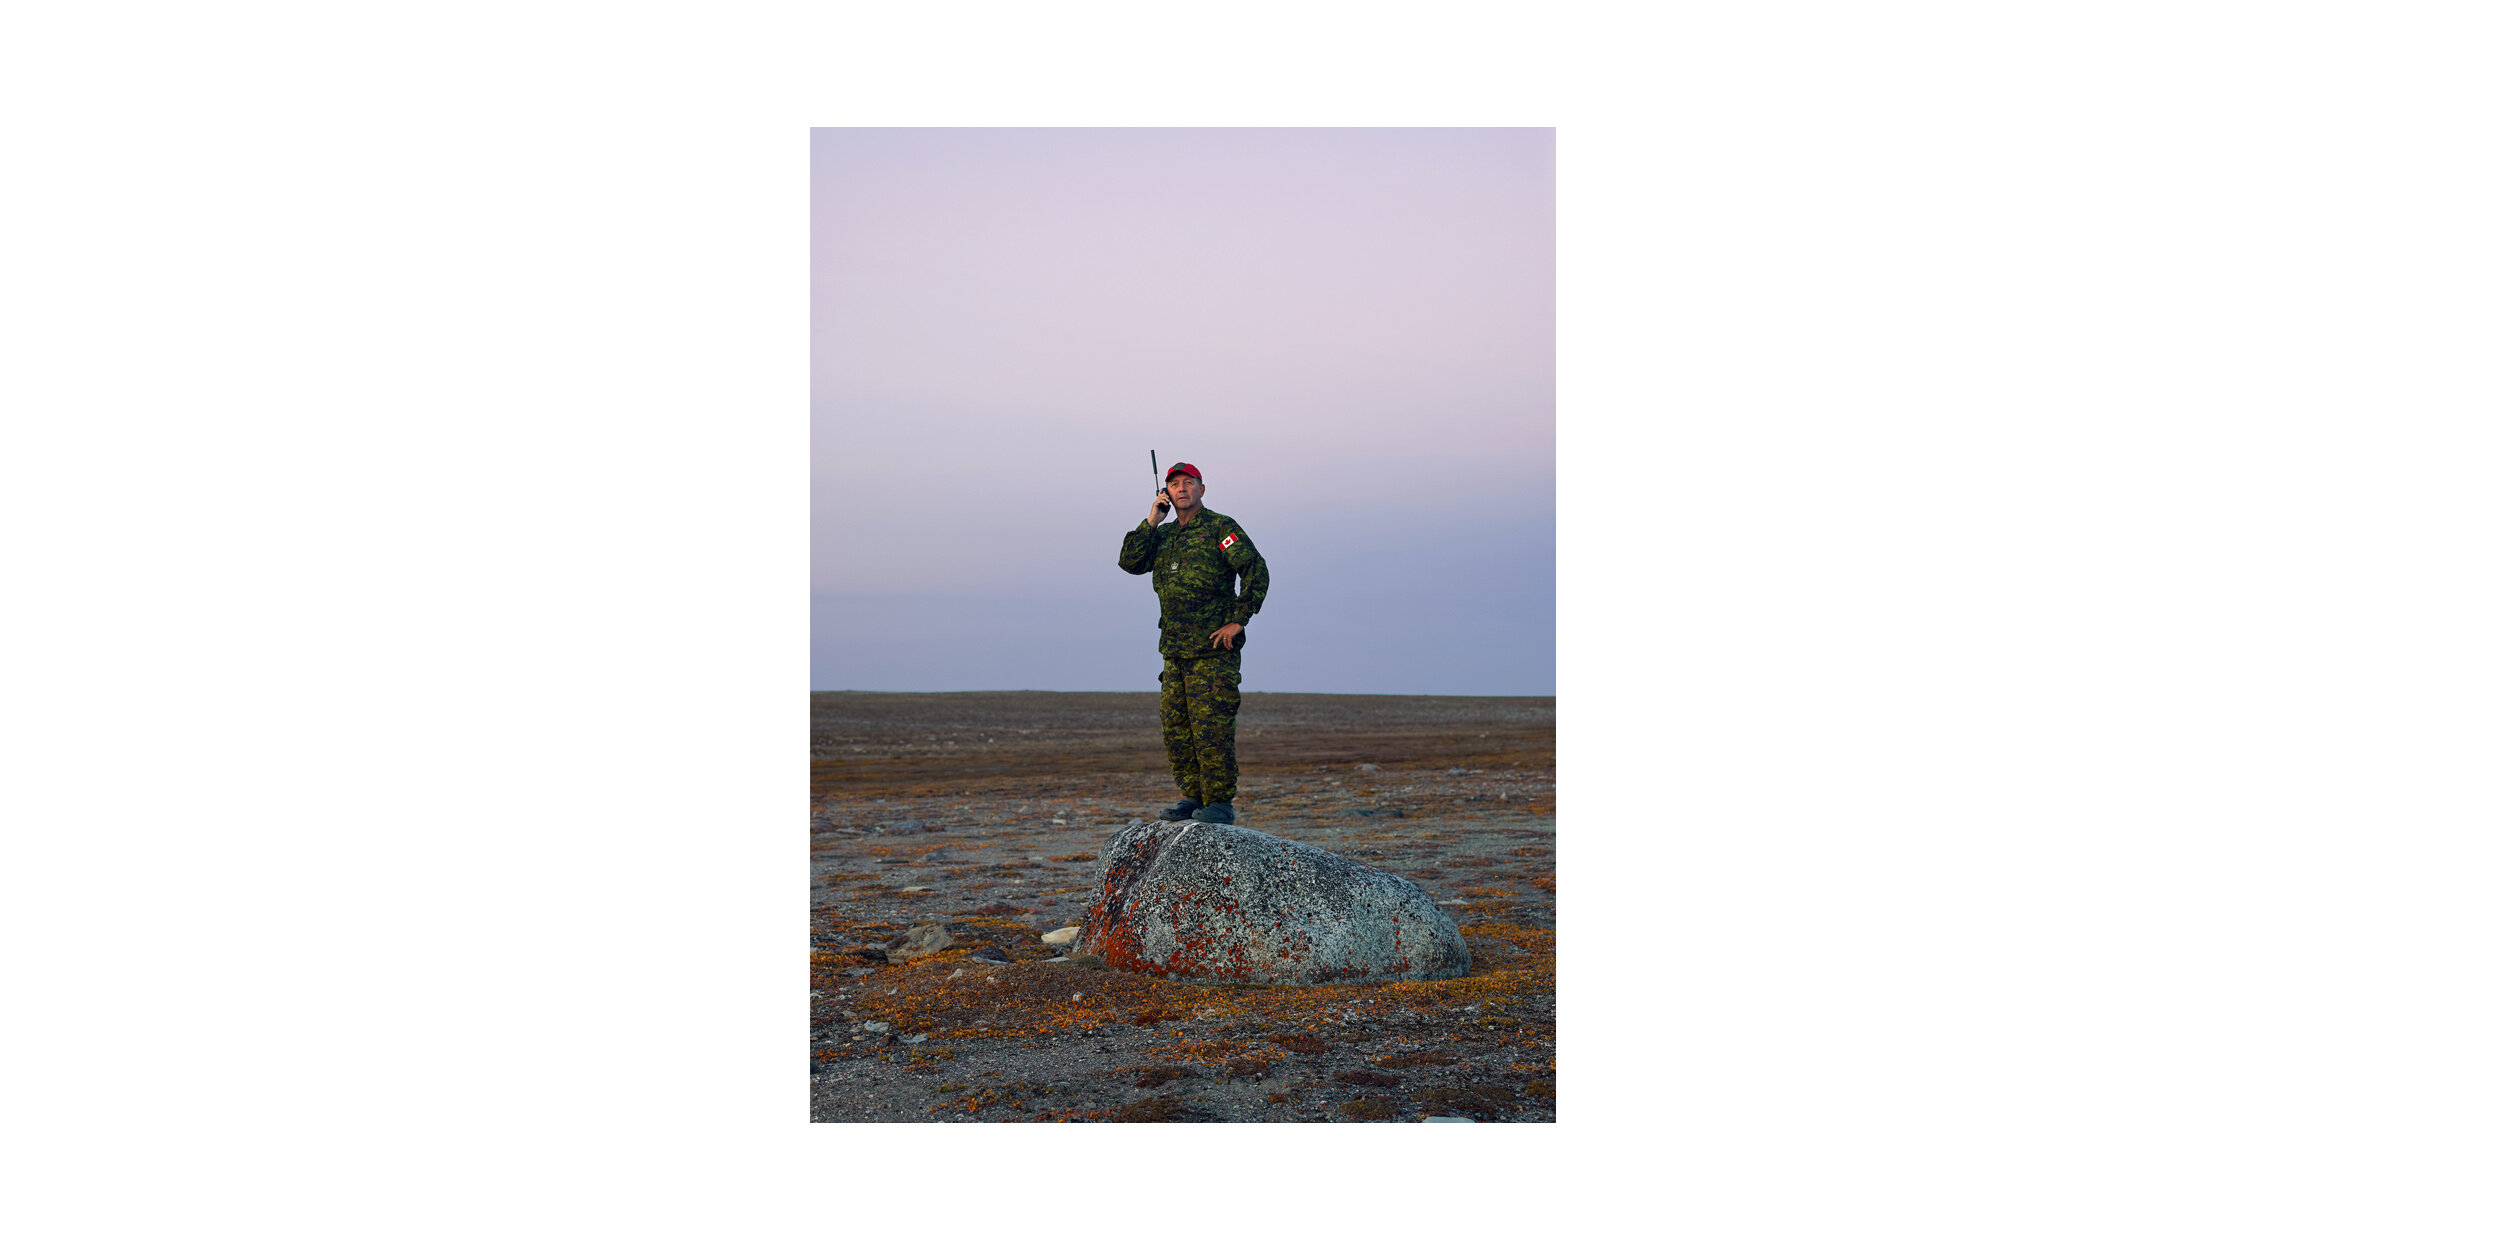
(1026, 999)
(953, 998)
(1148, 1111)
(1203, 1052)
(1434, 1057)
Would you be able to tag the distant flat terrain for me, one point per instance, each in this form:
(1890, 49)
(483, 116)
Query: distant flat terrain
(986, 810)
(867, 738)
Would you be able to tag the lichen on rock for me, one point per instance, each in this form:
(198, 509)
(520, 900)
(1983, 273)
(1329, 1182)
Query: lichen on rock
(1212, 904)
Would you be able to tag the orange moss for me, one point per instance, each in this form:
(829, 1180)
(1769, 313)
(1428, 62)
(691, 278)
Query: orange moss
(1203, 1052)
(1148, 1111)
(1032, 1002)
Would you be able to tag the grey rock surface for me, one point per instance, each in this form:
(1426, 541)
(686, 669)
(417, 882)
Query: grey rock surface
(1214, 904)
(919, 940)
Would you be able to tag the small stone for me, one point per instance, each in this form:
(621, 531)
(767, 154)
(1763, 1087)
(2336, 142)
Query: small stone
(1060, 960)
(1061, 937)
(1447, 1119)
(917, 1037)
(1367, 768)
(875, 1026)
(857, 972)
(920, 889)
(990, 954)
(922, 940)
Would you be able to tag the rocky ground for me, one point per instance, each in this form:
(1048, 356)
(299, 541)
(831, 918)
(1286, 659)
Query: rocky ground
(987, 812)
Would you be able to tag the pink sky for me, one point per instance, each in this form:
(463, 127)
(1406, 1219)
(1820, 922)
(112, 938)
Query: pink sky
(1350, 331)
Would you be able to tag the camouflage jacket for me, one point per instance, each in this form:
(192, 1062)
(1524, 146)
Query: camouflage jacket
(1195, 566)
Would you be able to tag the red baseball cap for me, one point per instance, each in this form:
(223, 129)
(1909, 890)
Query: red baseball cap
(1184, 467)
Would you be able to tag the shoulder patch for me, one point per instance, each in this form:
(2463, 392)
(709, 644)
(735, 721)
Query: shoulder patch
(1229, 540)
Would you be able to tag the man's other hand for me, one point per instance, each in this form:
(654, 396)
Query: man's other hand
(1223, 638)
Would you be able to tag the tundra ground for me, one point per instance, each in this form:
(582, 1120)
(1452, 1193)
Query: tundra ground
(988, 811)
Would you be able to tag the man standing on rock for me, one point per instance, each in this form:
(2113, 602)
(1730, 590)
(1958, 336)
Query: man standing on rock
(1196, 561)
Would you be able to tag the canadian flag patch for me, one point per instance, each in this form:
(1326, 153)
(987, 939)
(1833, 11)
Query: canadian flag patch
(1229, 540)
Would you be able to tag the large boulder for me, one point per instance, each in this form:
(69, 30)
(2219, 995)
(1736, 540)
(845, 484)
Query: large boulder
(1190, 901)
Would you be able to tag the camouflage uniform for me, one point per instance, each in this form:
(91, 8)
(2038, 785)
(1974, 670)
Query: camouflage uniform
(1194, 567)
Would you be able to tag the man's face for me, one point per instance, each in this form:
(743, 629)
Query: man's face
(1185, 490)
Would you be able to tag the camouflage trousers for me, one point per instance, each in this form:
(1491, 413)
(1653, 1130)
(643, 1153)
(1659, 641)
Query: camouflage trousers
(1200, 697)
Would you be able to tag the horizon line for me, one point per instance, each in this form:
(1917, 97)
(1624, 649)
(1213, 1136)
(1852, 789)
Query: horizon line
(1376, 694)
